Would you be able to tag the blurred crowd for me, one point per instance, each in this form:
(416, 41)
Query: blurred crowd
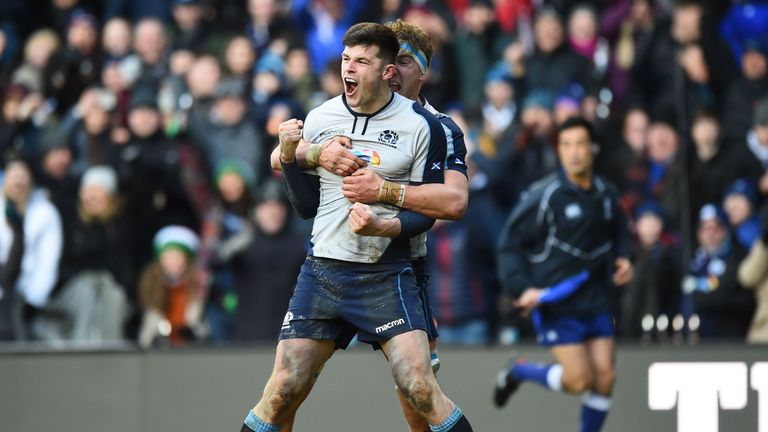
(138, 203)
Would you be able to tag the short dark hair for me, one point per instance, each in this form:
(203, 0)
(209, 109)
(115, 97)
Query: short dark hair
(577, 122)
(374, 34)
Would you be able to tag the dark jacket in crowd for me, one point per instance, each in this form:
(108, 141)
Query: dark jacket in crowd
(94, 244)
(151, 170)
(265, 275)
(655, 288)
(554, 71)
(724, 306)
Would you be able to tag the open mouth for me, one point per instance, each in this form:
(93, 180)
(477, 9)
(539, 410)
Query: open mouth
(350, 85)
(395, 86)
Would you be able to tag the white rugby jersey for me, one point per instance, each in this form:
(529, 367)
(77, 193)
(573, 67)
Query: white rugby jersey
(456, 154)
(402, 142)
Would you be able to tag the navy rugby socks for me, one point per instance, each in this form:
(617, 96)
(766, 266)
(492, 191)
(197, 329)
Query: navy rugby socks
(456, 422)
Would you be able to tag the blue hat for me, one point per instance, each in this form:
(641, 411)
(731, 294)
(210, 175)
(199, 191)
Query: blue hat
(186, 2)
(499, 72)
(745, 27)
(711, 211)
(742, 187)
(651, 207)
(270, 62)
(572, 94)
(82, 16)
(539, 98)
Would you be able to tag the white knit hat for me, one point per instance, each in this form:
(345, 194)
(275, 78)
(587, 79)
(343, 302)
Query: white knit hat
(176, 236)
(100, 175)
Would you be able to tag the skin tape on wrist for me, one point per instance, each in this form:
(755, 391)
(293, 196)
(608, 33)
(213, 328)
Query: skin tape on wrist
(392, 193)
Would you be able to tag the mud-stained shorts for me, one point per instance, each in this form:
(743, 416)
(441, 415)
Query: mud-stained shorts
(336, 299)
(422, 281)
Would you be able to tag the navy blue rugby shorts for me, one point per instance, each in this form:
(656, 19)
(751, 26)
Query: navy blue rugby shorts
(336, 299)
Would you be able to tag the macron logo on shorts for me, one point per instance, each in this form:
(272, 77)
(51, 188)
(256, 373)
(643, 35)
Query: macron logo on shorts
(389, 325)
(287, 320)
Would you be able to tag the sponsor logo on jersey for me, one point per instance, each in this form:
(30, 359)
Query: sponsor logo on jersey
(388, 137)
(331, 133)
(389, 325)
(572, 211)
(369, 156)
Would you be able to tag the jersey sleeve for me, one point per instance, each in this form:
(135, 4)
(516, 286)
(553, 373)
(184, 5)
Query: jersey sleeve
(518, 235)
(430, 150)
(456, 150)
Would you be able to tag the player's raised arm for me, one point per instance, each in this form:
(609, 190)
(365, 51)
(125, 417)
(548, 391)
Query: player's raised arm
(333, 155)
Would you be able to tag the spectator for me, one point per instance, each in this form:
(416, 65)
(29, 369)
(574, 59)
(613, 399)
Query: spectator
(265, 271)
(267, 23)
(664, 170)
(653, 78)
(37, 53)
(458, 289)
(568, 103)
(711, 165)
(31, 267)
(498, 108)
(202, 80)
(711, 288)
(8, 50)
(55, 174)
(745, 28)
(478, 47)
(655, 289)
(151, 168)
(751, 157)
(77, 65)
(438, 86)
(525, 148)
(150, 45)
(584, 40)
(270, 90)
(116, 39)
(170, 291)
(18, 131)
(628, 25)
(324, 23)
(552, 65)
(94, 300)
(88, 127)
(301, 82)
(739, 204)
(190, 31)
(623, 159)
(227, 133)
(115, 79)
(239, 59)
(234, 184)
(330, 83)
(753, 274)
(745, 93)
